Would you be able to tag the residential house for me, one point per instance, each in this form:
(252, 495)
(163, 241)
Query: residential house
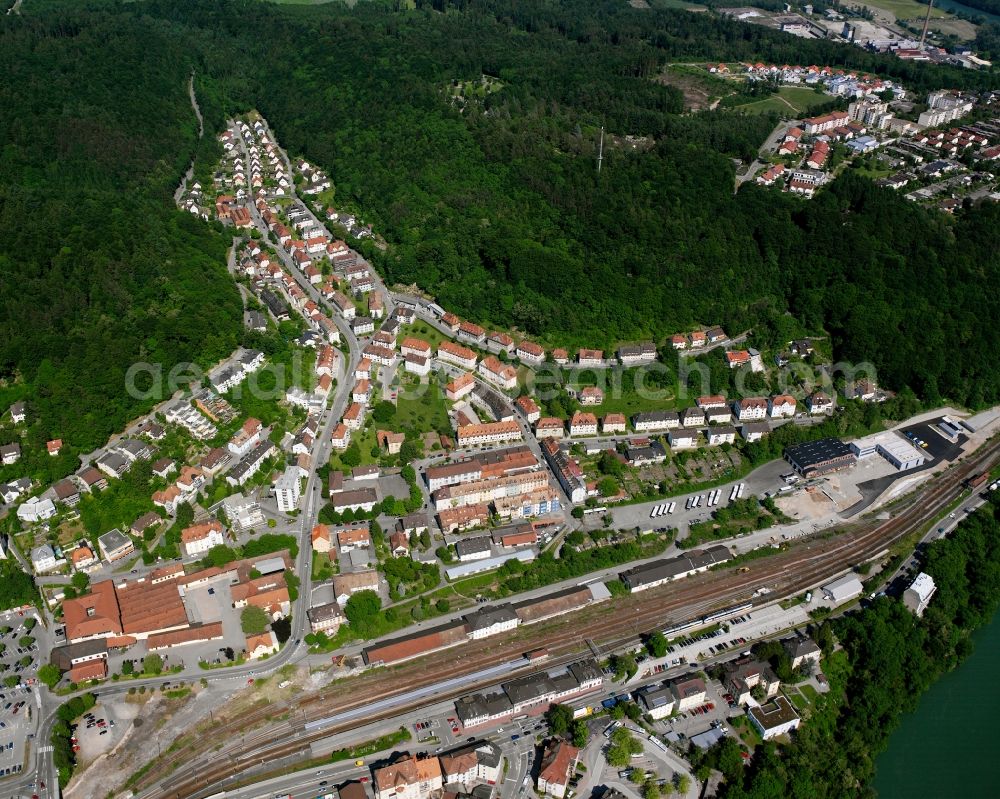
(43, 559)
(682, 439)
(692, 417)
(325, 618)
(409, 778)
(750, 409)
(549, 427)
(460, 387)
(258, 646)
(583, 424)
(745, 674)
(489, 433)
(709, 402)
(528, 408)
(10, 454)
(83, 558)
(737, 358)
(499, 374)
(754, 431)
(590, 395)
(354, 538)
(36, 510)
(556, 768)
(456, 354)
(819, 402)
(164, 467)
(467, 331)
(783, 406)
(498, 342)
(633, 354)
(613, 423)
(723, 434)
(18, 412)
(67, 493)
(529, 352)
(287, 490)
(590, 357)
(390, 442)
(655, 421)
(801, 649)
(199, 538)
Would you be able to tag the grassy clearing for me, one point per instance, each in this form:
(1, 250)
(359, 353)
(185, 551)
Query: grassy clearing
(426, 412)
(788, 101)
(906, 9)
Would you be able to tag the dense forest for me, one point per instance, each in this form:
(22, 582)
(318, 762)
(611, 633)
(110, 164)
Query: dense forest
(893, 657)
(493, 204)
(98, 269)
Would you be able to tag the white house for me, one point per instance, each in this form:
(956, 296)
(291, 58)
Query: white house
(43, 558)
(287, 489)
(199, 538)
(36, 510)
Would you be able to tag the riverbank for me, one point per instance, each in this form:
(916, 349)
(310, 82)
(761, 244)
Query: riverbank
(896, 663)
(948, 741)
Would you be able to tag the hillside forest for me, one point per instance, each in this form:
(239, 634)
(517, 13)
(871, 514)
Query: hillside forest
(494, 205)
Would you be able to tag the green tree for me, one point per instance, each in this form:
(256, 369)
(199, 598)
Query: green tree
(383, 412)
(559, 718)
(656, 644)
(152, 664)
(50, 675)
(362, 610)
(352, 455)
(80, 581)
(581, 733)
(220, 555)
(253, 620)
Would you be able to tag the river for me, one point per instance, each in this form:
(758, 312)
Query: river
(947, 746)
(956, 7)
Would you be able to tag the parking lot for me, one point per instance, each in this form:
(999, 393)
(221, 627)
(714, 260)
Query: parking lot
(98, 731)
(18, 716)
(20, 639)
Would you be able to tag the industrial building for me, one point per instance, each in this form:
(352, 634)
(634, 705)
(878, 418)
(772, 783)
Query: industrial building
(899, 452)
(814, 458)
(843, 589)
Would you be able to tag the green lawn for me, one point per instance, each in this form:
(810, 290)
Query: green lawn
(426, 411)
(624, 391)
(422, 330)
(789, 101)
(906, 9)
(810, 692)
(800, 702)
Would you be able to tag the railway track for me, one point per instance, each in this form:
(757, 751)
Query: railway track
(800, 567)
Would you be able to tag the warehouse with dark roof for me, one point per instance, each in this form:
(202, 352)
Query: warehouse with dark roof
(813, 458)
